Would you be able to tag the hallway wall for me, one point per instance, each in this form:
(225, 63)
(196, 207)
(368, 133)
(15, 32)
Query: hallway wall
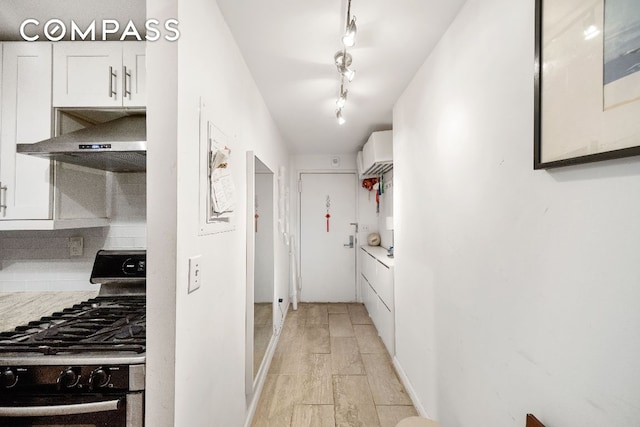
(516, 290)
(196, 341)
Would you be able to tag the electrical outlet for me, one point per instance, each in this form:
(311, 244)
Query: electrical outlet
(365, 227)
(76, 246)
(195, 273)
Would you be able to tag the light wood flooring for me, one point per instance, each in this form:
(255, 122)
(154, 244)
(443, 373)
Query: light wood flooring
(330, 369)
(262, 332)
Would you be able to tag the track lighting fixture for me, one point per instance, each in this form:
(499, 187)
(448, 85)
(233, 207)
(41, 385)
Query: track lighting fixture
(343, 60)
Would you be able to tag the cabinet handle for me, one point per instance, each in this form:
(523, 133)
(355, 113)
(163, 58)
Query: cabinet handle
(3, 199)
(112, 74)
(127, 83)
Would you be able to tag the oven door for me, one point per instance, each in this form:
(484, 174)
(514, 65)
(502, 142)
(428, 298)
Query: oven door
(118, 410)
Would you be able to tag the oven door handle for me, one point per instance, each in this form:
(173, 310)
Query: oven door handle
(61, 410)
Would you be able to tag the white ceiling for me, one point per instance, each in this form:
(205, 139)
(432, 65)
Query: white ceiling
(14, 12)
(289, 47)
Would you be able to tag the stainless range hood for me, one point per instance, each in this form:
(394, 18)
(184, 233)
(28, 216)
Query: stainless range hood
(118, 145)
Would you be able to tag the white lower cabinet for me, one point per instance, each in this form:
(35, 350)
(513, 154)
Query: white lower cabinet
(377, 292)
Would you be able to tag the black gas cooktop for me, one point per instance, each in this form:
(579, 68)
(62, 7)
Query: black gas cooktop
(103, 324)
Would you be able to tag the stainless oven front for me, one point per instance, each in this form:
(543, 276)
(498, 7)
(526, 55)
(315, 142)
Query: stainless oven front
(113, 410)
(72, 396)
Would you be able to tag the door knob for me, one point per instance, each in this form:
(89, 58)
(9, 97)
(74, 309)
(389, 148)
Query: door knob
(350, 244)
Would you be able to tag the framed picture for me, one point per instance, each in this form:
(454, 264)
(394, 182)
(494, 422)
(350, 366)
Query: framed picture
(587, 81)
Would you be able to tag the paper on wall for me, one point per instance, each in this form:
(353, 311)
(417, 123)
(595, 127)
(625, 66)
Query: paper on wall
(222, 191)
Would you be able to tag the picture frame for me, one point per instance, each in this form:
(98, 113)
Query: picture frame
(587, 81)
(215, 180)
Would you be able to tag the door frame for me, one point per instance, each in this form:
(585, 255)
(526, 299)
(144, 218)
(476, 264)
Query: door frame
(298, 204)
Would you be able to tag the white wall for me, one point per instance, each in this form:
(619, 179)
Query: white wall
(40, 261)
(516, 290)
(385, 209)
(205, 375)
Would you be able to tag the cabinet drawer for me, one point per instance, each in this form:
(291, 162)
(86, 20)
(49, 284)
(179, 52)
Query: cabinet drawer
(370, 299)
(386, 327)
(368, 266)
(384, 284)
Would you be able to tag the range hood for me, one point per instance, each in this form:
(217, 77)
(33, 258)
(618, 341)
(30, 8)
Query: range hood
(118, 145)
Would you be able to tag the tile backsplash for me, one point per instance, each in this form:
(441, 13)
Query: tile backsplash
(40, 260)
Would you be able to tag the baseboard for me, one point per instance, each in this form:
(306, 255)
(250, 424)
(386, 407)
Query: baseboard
(409, 387)
(262, 373)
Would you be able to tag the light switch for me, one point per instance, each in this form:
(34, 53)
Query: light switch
(195, 273)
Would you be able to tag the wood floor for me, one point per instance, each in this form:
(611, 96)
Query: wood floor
(329, 369)
(262, 332)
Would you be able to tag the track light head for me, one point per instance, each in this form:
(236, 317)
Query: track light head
(349, 38)
(349, 74)
(343, 60)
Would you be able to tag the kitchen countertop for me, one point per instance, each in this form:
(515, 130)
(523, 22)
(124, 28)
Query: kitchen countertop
(379, 253)
(19, 308)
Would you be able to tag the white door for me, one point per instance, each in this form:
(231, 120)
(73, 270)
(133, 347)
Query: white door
(327, 259)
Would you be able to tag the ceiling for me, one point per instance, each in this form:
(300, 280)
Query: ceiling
(14, 12)
(289, 47)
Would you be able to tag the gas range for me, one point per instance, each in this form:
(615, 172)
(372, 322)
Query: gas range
(84, 365)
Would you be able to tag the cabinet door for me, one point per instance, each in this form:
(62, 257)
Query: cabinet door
(26, 118)
(134, 74)
(87, 74)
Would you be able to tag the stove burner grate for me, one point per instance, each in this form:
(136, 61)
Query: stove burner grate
(101, 324)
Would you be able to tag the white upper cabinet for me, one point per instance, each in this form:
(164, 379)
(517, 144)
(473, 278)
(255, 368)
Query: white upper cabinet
(26, 118)
(133, 61)
(99, 74)
(28, 198)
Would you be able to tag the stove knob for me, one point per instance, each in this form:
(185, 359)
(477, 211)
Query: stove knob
(8, 378)
(68, 378)
(100, 377)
